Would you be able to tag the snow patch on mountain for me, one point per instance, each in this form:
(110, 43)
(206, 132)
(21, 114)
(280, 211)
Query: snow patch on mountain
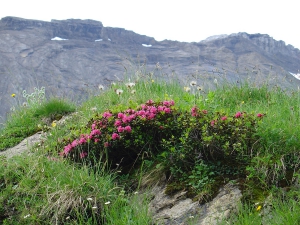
(58, 39)
(297, 76)
(147, 46)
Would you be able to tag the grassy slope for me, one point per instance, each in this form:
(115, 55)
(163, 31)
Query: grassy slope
(33, 187)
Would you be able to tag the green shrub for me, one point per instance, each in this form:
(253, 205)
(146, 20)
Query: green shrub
(179, 140)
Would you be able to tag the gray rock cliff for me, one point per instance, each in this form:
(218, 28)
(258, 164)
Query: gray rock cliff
(71, 57)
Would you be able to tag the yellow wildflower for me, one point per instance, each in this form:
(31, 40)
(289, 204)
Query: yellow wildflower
(53, 124)
(13, 95)
(258, 208)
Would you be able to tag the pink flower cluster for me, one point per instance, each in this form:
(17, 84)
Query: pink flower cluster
(260, 115)
(84, 138)
(238, 115)
(122, 124)
(194, 111)
(149, 110)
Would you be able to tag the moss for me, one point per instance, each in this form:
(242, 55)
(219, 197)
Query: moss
(252, 191)
(173, 188)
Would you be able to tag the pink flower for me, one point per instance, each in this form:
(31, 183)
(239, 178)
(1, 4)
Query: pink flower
(194, 111)
(167, 110)
(107, 115)
(224, 118)
(260, 115)
(166, 103)
(83, 154)
(204, 111)
(95, 132)
(115, 136)
(131, 111)
(151, 116)
(82, 140)
(238, 115)
(141, 112)
(120, 129)
(160, 108)
(106, 144)
(74, 143)
(93, 126)
(126, 119)
(131, 117)
(153, 109)
(171, 102)
(150, 102)
(212, 123)
(128, 129)
(120, 115)
(118, 123)
(67, 149)
(96, 140)
(144, 107)
(89, 137)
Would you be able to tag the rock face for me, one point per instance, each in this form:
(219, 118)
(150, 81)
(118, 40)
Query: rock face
(23, 146)
(178, 209)
(72, 57)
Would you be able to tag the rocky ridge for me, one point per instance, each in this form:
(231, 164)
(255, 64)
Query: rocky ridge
(71, 57)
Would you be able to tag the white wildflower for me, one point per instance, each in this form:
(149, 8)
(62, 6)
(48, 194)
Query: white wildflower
(119, 91)
(107, 203)
(193, 83)
(133, 91)
(199, 88)
(130, 84)
(26, 216)
(187, 89)
(101, 87)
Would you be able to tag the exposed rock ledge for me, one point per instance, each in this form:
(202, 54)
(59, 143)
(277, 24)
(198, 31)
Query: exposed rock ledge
(23, 146)
(178, 209)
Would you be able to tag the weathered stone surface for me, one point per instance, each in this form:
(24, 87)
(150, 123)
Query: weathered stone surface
(178, 209)
(23, 147)
(26, 145)
(222, 205)
(92, 54)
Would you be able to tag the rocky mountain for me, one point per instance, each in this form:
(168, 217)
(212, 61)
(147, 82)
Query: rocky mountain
(72, 57)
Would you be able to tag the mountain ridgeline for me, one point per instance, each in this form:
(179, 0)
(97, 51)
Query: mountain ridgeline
(72, 57)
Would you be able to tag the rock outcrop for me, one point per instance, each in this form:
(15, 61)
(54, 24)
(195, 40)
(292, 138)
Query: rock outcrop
(178, 209)
(71, 57)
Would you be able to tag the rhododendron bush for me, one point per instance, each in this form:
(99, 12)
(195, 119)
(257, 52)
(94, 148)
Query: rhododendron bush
(159, 130)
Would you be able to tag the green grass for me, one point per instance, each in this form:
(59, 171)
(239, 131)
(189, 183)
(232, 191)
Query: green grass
(39, 190)
(277, 212)
(26, 121)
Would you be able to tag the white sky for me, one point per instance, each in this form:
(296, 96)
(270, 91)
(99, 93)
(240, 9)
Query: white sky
(188, 20)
